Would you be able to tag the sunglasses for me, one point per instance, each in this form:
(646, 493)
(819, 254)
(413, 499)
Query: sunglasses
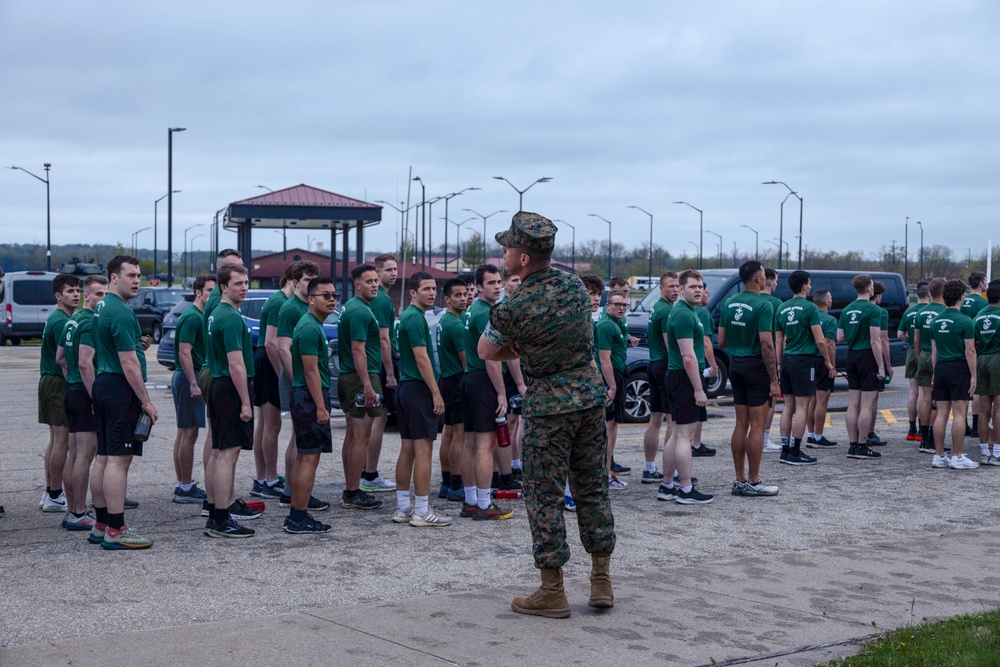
(617, 305)
(326, 295)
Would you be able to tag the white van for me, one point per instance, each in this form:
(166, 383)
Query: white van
(26, 301)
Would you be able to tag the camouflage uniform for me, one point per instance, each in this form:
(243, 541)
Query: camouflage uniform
(548, 320)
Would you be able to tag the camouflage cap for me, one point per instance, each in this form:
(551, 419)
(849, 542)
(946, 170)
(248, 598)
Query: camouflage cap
(529, 230)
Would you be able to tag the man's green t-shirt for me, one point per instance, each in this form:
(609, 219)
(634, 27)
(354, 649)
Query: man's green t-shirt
(654, 330)
(987, 323)
(78, 331)
(228, 332)
(972, 304)
(116, 329)
(293, 310)
(413, 332)
(856, 320)
(308, 339)
(796, 318)
(924, 321)
(213, 301)
(385, 313)
(744, 316)
(450, 336)
(358, 322)
(54, 325)
(883, 322)
(684, 323)
(908, 320)
(190, 329)
(950, 331)
(269, 315)
(829, 324)
(610, 337)
(476, 318)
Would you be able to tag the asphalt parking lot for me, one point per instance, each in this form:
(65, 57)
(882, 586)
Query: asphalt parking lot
(59, 587)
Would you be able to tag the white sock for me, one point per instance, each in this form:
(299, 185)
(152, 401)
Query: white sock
(767, 436)
(515, 464)
(470, 495)
(650, 466)
(996, 450)
(984, 448)
(484, 498)
(687, 489)
(273, 483)
(403, 500)
(421, 508)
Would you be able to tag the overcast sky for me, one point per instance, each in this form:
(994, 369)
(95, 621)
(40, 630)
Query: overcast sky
(872, 111)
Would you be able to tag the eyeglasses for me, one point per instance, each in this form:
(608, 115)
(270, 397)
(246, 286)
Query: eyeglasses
(617, 305)
(326, 295)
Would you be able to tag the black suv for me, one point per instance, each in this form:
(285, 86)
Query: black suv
(150, 304)
(723, 283)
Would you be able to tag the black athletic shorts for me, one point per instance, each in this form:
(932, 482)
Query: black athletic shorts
(415, 411)
(616, 411)
(117, 410)
(310, 437)
(79, 409)
(265, 380)
(823, 380)
(511, 388)
(451, 392)
(389, 395)
(952, 381)
(228, 430)
(862, 371)
(205, 384)
(479, 399)
(189, 411)
(658, 401)
(681, 394)
(751, 381)
(798, 375)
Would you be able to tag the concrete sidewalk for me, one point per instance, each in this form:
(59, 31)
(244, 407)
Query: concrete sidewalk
(788, 609)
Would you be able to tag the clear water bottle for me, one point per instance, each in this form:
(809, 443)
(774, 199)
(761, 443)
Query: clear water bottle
(516, 401)
(503, 433)
(142, 428)
(359, 400)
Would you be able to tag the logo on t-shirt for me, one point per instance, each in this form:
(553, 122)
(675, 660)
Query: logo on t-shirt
(739, 314)
(791, 317)
(854, 317)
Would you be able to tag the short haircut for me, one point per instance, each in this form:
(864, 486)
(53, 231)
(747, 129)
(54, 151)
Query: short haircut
(537, 255)
(993, 292)
(64, 280)
(505, 274)
(413, 282)
(316, 282)
(617, 282)
(749, 269)
(770, 275)
(593, 283)
(861, 282)
(923, 291)
(115, 265)
(383, 258)
(618, 292)
(664, 276)
(821, 295)
(360, 270)
(229, 252)
(470, 280)
(879, 287)
(936, 287)
(227, 270)
(482, 270)
(200, 281)
(304, 268)
(954, 291)
(94, 280)
(287, 275)
(451, 284)
(688, 275)
(798, 280)
(976, 280)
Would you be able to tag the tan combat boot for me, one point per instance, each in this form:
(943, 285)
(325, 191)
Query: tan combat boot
(549, 600)
(601, 594)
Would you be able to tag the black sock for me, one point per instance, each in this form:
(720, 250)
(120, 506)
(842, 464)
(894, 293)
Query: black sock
(101, 513)
(456, 482)
(221, 517)
(212, 512)
(297, 515)
(445, 479)
(369, 476)
(54, 493)
(913, 427)
(77, 515)
(495, 482)
(925, 432)
(506, 480)
(116, 521)
(796, 445)
(785, 448)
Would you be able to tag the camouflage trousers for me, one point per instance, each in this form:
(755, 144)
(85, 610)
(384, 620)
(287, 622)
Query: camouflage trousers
(573, 445)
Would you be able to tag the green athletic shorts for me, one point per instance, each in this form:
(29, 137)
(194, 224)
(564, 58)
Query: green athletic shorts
(911, 364)
(349, 385)
(988, 375)
(51, 408)
(925, 372)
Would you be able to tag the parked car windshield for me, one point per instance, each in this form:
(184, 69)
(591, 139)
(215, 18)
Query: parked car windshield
(714, 283)
(169, 297)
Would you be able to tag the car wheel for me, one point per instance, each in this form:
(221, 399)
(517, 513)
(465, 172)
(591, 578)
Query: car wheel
(636, 398)
(3, 339)
(717, 385)
(156, 334)
(15, 341)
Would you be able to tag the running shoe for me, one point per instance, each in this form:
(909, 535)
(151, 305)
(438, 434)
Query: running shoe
(797, 459)
(926, 447)
(265, 490)
(654, 477)
(57, 504)
(399, 516)
(513, 486)
(456, 495)
(430, 520)
(96, 535)
(739, 487)
(518, 473)
(666, 492)
(759, 489)
(618, 469)
(306, 526)
(468, 511)
(677, 481)
(693, 497)
(359, 500)
(862, 452)
(994, 460)
(240, 510)
(131, 504)
(123, 539)
(443, 491)
(702, 450)
(377, 485)
(232, 529)
(81, 523)
(874, 441)
(492, 513)
(771, 447)
(616, 484)
(820, 442)
(191, 496)
(913, 437)
(317, 505)
(962, 462)
(570, 504)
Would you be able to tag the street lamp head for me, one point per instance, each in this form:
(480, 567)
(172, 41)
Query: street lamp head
(544, 179)
(177, 129)
(498, 178)
(47, 165)
(769, 183)
(417, 178)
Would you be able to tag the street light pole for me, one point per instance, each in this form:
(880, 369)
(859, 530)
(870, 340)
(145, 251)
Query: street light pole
(701, 233)
(458, 240)
(594, 215)
(921, 225)
(573, 249)
(756, 242)
(650, 274)
(447, 198)
(781, 223)
(135, 239)
(720, 245)
(48, 211)
(190, 264)
(185, 246)
(170, 203)
(485, 218)
(906, 252)
(423, 223)
(520, 193)
(156, 232)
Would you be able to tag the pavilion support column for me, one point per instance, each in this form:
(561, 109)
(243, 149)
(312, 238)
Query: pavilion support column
(360, 243)
(243, 244)
(333, 252)
(345, 293)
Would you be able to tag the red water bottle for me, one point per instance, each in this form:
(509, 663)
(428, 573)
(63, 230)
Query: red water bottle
(507, 494)
(503, 433)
